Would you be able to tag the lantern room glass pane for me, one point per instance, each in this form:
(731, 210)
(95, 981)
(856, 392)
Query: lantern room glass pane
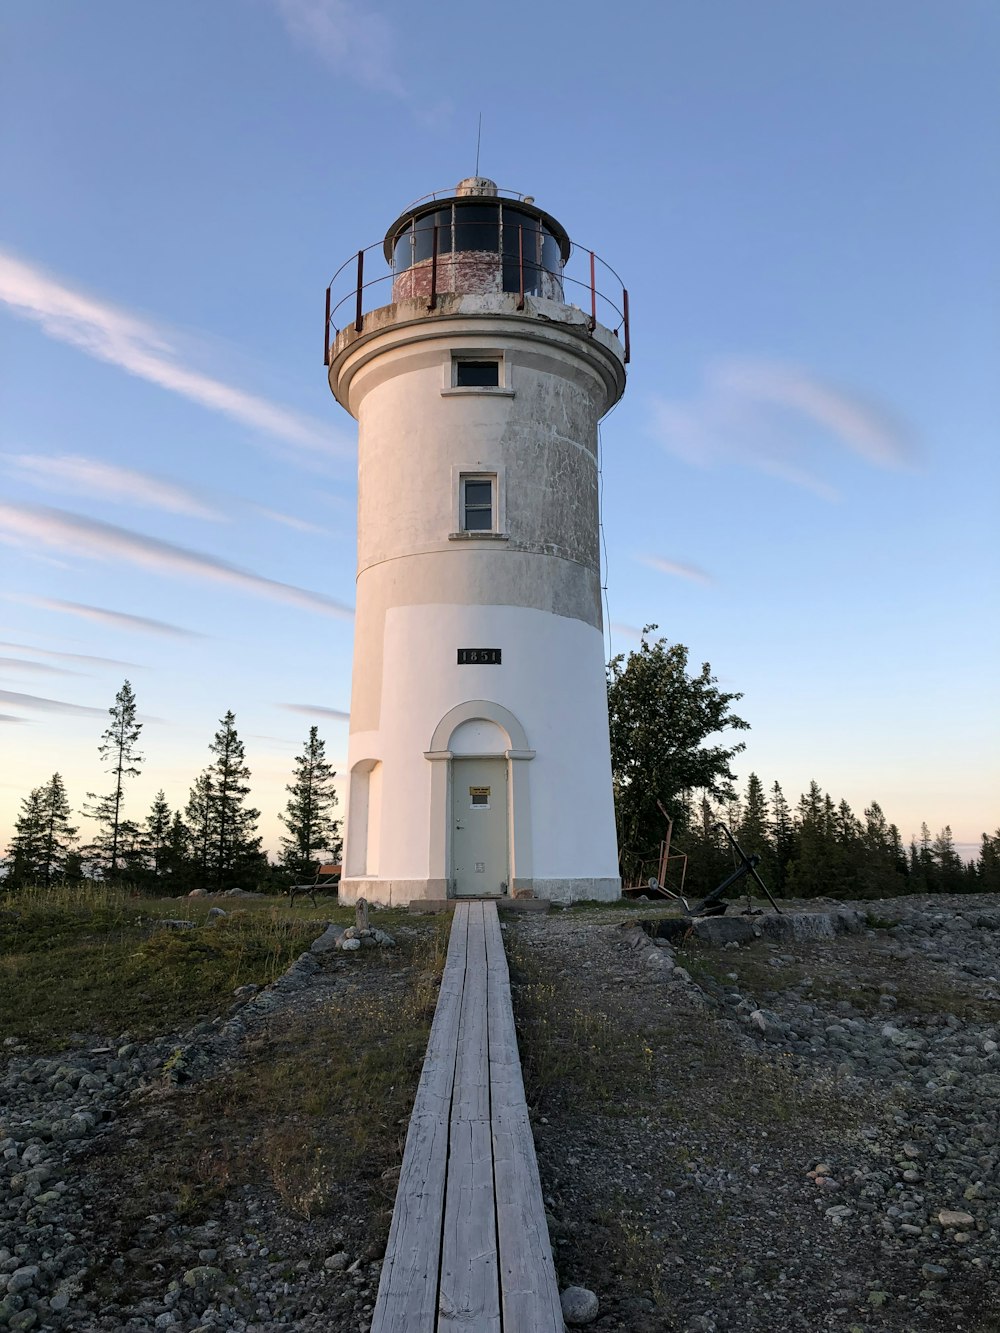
(423, 241)
(521, 251)
(476, 227)
(402, 251)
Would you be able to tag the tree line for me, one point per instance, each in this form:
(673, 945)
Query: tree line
(212, 843)
(662, 717)
(666, 754)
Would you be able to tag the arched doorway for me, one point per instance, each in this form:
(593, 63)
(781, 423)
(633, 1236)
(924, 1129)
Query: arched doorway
(479, 799)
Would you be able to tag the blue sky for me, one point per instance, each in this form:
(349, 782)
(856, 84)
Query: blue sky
(801, 483)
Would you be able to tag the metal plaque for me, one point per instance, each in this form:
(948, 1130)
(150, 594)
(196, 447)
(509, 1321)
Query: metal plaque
(479, 657)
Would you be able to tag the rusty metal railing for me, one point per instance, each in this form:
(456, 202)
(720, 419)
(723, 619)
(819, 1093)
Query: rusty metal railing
(352, 293)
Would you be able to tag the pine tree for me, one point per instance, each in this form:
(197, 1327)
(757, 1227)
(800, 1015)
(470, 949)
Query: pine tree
(309, 813)
(884, 871)
(177, 856)
(812, 873)
(752, 831)
(235, 849)
(783, 838)
(200, 814)
(950, 870)
(25, 855)
(57, 835)
(988, 865)
(708, 853)
(156, 834)
(118, 751)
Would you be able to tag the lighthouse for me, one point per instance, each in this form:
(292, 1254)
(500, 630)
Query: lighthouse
(478, 369)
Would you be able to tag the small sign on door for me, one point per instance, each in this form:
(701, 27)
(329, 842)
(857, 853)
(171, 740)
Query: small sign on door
(479, 798)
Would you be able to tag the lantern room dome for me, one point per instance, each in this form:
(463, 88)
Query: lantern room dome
(476, 241)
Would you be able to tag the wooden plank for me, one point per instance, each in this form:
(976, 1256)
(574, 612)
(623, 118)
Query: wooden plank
(434, 1091)
(529, 1289)
(469, 1297)
(471, 1099)
(408, 1288)
(469, 1293)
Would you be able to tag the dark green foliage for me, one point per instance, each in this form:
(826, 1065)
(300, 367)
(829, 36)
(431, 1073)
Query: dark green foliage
(660, 719)
(42, 850)
(234, 847)
(987, 870)
(119, 754)
(309, 816)
(783, 840)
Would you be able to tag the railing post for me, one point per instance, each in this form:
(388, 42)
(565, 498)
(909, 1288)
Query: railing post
(432, 303)
(593, 295)
(628, 343)
(520, 266)
(326, 331)
(358, 317)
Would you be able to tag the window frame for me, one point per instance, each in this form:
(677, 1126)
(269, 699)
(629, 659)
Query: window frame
(458, 355)
(498, 516)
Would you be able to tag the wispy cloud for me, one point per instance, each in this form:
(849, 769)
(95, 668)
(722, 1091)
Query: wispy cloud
(289, 520)
(111, 334)
(625, 631)
(16, 664)
(91, 538)
(101, 615)
(759, 414)
(674, 567)
(317, 710)
(89, 658)
(351, 38)
(70, 472)
(35, 703)
(9, 717)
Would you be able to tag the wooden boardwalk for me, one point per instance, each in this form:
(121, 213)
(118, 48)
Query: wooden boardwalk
(468, 1247)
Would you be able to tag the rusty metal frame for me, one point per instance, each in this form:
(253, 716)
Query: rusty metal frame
(432, 303)
(359, 319)
(619, 323)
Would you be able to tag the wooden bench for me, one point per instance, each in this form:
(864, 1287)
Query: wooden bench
(468, 1246)
(326, 876)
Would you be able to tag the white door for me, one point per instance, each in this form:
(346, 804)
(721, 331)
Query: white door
(479, 826)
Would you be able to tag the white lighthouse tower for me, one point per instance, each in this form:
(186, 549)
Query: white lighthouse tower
(479, 762)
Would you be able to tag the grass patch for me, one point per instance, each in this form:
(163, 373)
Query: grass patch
(841, 972)
(318, 1105)
(569, 1048)
(88, 959)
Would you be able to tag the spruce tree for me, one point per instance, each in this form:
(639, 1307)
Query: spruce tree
(235, 846)
(118, 752)
(988, 865)
(156, 834)
(177, 856)
(58, 837)
(783, 838)
(200, 815)
(309, 814)
(25, 855)
(753, 832)
(950, 870)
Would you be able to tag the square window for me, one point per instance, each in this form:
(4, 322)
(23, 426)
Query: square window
(478, 374)
(477, 504)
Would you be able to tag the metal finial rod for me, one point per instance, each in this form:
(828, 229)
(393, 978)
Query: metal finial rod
(479, 139)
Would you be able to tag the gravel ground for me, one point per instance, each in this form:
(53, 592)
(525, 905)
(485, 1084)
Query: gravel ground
(793, 1136)
(817, 1145)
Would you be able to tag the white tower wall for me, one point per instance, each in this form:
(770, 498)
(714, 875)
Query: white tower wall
(529, 587)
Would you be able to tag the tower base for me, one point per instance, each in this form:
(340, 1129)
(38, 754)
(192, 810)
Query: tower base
(403, 892)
